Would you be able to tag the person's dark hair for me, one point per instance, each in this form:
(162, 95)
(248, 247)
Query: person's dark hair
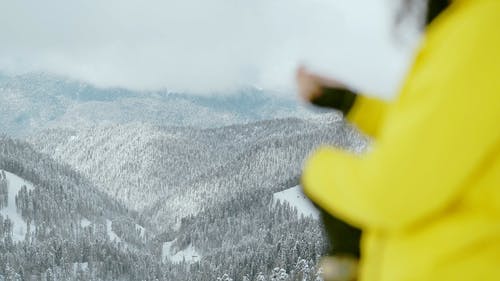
(433, 9)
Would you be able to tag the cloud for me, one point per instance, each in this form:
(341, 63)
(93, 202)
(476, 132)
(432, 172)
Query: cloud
(201, 45)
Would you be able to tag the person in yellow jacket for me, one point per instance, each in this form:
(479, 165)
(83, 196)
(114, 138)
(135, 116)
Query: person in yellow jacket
(427, 193)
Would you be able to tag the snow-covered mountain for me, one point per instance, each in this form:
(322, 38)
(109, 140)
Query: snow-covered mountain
(120, 185)
(228, 222)
(32, 102)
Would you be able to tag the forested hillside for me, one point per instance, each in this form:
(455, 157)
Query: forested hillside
(79, 233)
(169, 172)
(207, 194)
(67, 219)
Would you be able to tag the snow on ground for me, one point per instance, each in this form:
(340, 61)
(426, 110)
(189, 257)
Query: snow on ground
(112, 235)
(80, 265)
(165, 251)
(189, 255)
(85, 222)
(141, 229)
(297, 199)
(19, 225)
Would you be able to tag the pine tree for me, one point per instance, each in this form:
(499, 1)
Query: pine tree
(260, 277)
(11, 274)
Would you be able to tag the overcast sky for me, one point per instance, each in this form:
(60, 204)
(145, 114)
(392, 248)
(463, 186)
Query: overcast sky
(204, 45)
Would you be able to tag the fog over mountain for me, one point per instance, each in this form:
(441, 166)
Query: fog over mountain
(32, 102)
(200, 46)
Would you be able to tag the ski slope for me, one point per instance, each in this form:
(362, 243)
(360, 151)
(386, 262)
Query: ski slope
(189, 255)
(20, 228)
(297, 199)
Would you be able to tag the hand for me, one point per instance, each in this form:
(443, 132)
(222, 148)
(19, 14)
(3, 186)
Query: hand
(324, 92)
(310, 85)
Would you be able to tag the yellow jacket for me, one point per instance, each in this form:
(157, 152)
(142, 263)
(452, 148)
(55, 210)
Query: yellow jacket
(427, 194)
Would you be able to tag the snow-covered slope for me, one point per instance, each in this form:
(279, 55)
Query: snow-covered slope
(112, 235)
(189, 255)
(296, 198)
(20, 226)
(85, 222)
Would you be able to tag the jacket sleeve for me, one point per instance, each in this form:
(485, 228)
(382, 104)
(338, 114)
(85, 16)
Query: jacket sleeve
(433, 143)
(367, 114)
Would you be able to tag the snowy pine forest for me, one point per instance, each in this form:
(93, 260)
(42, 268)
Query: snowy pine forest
(111, 184)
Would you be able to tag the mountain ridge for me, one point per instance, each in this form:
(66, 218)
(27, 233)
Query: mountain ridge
(37, 101)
